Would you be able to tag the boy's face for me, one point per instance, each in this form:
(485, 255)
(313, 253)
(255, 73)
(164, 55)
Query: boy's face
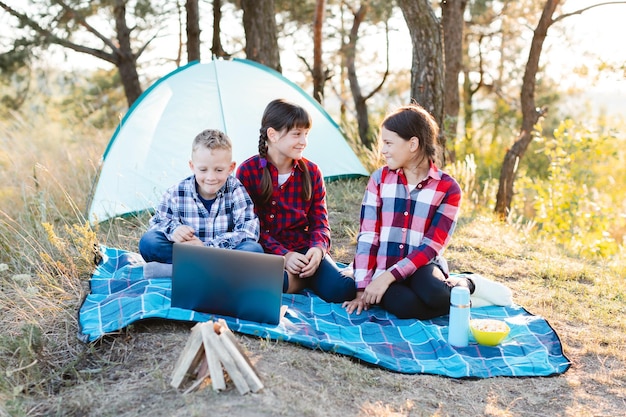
(211, 168)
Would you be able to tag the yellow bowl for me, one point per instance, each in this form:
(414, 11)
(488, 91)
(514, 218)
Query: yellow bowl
(489, 332)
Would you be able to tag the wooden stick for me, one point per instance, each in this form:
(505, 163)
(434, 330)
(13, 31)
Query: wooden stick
(242, 363)
(218, 348)
(224, 330)
(238, 353)
(203, 373)
(215, 367)
(189, 358)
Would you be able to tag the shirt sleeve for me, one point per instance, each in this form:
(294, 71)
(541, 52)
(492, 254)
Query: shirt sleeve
(167, 216)
(245, 221)
(368, 240)
(438, 233)
(319, 228)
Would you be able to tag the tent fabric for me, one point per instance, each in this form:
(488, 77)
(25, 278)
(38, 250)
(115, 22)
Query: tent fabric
(151, 147)
(120, 296)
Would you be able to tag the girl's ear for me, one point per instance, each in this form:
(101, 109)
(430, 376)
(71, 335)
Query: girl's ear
(271, 133)
(191, 164)
(414, 143)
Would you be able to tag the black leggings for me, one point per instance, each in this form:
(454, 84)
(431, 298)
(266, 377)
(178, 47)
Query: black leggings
(423, 295)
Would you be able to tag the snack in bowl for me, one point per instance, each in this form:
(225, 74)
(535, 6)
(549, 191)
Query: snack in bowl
(489, 332)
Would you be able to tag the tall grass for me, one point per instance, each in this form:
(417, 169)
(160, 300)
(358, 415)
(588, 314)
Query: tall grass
(47, 250)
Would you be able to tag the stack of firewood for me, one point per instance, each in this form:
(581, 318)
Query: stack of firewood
(211, 351)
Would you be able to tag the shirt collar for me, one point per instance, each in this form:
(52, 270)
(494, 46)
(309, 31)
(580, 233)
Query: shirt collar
(433, 172)
(268, 163)
(219, 192)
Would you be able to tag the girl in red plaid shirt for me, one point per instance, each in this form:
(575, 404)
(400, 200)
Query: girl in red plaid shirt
(289, 198)
(408, 214)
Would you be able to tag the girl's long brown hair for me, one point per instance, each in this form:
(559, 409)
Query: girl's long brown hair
(280, 115)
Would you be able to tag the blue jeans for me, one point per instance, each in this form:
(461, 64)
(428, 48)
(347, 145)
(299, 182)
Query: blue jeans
(155, 247)
(328, 283)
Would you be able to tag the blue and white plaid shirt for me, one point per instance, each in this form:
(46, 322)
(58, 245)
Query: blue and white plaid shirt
(230, 221)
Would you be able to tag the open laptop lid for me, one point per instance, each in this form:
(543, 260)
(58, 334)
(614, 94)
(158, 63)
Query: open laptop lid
(228, 282)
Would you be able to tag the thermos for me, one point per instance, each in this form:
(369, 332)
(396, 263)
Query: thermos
(458, 329)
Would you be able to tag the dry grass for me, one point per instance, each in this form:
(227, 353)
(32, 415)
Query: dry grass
(46, 371)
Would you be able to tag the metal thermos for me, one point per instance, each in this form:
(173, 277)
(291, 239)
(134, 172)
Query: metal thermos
(458, 329)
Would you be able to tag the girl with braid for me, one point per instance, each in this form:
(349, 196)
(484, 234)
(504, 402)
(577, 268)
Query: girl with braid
(289, 198)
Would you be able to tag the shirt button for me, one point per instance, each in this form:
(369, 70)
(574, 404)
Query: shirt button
(273, 203)
(404, 229)
(271, 216)
(419, 185)
(267, 231)
(401, 246)
(406, 213)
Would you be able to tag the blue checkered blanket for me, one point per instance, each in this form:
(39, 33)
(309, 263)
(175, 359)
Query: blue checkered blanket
(120, 295)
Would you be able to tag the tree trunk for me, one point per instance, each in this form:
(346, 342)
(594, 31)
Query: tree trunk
(193, 30)
(216, 48)
(319, 78)
(260, 28)
(453, 24)
(180, 46)
(530, 115)
(427, 69)
(360, 105)
(126, 60)
(366, 135)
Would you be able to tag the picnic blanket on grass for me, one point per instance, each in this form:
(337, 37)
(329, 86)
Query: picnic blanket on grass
(120, 295)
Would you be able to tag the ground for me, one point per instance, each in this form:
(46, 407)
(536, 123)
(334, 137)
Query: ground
(128, 374)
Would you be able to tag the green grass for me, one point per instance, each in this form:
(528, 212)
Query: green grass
(46, 254)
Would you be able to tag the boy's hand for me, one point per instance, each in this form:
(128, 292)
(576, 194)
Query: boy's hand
(183, 234)
(194, 241)
(314, 257)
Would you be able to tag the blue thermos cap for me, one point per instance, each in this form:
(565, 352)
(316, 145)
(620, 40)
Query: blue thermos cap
(460, 297)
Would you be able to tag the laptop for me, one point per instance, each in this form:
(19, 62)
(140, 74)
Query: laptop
(228, 282)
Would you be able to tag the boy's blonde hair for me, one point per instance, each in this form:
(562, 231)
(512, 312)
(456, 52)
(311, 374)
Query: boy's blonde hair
(212, 139)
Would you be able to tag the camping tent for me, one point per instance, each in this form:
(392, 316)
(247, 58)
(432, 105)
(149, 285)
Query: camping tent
(151, 147)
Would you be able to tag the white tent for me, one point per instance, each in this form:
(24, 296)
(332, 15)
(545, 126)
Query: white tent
(150, 149)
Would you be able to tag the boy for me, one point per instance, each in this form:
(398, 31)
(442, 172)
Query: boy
(210, 208)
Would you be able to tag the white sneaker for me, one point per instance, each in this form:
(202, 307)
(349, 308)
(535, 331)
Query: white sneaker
(488, 292)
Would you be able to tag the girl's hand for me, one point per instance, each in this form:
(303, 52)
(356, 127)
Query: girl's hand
(183, 233)
(314, 257)
(357, 304)
(376, 289)
(294, 262)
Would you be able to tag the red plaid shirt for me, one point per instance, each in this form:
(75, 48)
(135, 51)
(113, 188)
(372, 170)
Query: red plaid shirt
(288, 223)
(401, 229)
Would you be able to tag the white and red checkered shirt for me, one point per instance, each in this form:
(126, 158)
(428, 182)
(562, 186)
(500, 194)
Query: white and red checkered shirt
(402, 230)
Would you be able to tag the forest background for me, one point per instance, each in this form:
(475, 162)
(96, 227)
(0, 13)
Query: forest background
(530, 147)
